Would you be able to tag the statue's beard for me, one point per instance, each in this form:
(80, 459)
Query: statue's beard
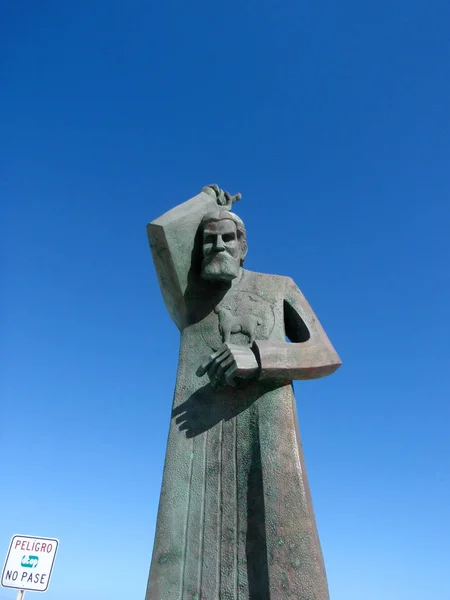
(220, 267)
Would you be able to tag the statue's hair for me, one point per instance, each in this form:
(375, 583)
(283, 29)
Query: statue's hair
(222, 215)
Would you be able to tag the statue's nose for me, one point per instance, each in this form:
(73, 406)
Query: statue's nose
(219, 246)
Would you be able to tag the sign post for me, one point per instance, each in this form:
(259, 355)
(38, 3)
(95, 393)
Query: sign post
(29, 564)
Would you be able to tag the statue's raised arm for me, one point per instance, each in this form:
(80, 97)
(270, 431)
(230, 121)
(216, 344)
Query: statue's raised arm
(172, 238)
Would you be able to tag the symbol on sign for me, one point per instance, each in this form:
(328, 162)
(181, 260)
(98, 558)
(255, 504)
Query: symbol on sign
(31, 562)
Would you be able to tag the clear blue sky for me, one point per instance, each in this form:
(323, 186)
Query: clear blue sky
(332, 119)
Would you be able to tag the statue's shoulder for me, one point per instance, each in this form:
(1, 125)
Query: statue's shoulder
(272, 285)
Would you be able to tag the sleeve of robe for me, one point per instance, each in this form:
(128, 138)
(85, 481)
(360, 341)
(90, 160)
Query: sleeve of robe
(171, 238)
(309, 356)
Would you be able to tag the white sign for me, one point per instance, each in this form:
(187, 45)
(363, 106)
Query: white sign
(29, 563)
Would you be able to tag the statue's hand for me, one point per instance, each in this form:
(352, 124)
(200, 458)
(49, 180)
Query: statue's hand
(224, 199)
(228, 363)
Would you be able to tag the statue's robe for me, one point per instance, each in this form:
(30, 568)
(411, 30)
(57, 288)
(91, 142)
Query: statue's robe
(235, 518)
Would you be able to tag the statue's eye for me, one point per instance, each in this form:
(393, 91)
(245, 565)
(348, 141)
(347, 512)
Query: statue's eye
(208, 239)
(228, 237)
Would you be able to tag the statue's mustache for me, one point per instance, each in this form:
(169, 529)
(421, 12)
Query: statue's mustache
(221, 256)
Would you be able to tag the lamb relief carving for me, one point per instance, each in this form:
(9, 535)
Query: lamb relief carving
(229, 323)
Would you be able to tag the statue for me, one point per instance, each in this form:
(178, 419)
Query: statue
(235, 519)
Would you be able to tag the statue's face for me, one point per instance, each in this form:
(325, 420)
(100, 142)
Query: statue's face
(221, 251)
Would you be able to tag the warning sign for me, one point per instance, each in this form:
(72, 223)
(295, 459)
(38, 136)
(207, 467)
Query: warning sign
(29, 563)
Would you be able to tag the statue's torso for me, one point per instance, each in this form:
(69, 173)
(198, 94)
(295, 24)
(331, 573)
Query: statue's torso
(257, 298)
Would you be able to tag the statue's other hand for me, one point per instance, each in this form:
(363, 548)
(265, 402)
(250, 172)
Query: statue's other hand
(224, 199)
(229, 363)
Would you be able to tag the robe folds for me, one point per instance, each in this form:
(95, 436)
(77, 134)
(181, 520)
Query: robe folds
(235, 519)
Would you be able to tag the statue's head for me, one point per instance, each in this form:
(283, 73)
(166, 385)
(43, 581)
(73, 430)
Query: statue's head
(224, 245)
